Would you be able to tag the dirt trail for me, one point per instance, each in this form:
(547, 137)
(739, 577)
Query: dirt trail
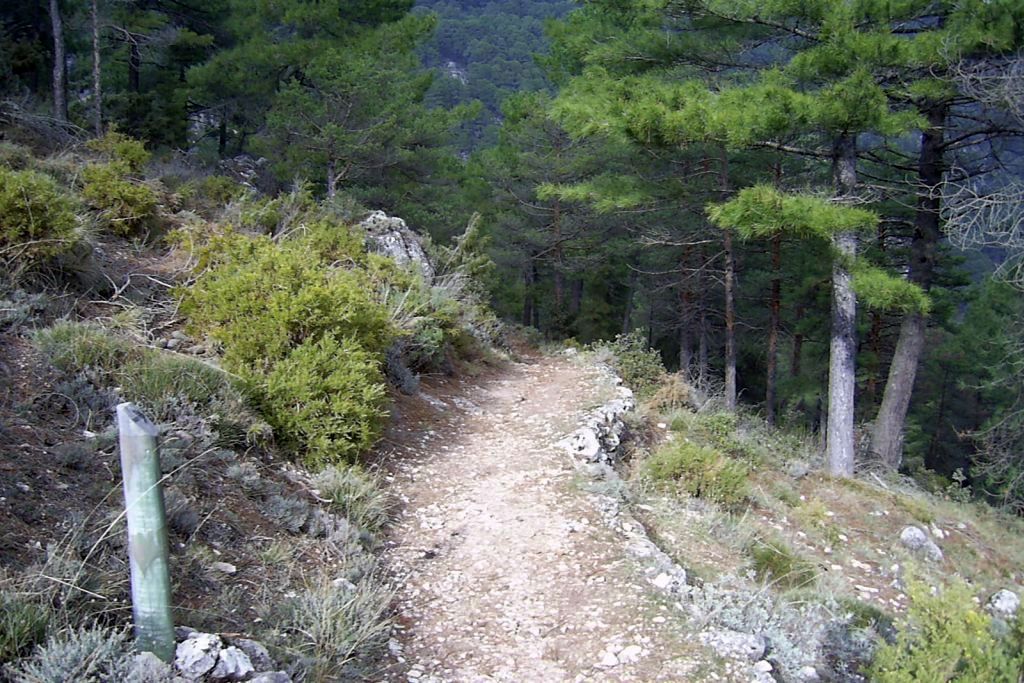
(504, 568)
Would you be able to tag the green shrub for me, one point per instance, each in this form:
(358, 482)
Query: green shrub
(156, 380)
(75, 347)
(127, 205)
(639, 365)
(700, 471)
(210, 193)
(124, 151)
(327, 396)
(945, 637)
(338, 629)
(356, 495)
(774, 560)
(22, 626)
(15, 156)
(88, 655)
(37, 219)
(261, 299)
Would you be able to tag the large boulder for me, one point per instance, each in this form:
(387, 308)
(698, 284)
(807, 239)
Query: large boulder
(389, 235)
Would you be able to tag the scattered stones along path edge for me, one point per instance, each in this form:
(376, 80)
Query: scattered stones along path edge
(505, 567)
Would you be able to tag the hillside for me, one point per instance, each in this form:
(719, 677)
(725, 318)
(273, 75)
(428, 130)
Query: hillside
(486, 51)
(685, 364)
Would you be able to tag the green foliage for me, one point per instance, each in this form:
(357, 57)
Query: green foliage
(328, 396)
(127, 154)
(22, 626)
(773, 560)
(261, 299)
(701, 472)
(156, 380)
(639, 365)
(86, 655)
(762, 211)
(37, 218)
(336, 628)
(945, 637)
(125, 204)
(75, 347)
(15, 156)
(306, 320)
(881, 290)
(210, 193)
(357, 495)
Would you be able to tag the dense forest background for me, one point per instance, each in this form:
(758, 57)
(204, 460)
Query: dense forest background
(724, 179)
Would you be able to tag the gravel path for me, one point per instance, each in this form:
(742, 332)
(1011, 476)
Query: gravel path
(504, 569)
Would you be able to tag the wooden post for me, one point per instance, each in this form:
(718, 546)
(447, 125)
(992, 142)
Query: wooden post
(147, 533)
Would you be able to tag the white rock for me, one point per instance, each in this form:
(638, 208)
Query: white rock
(196, 656)
(232, 665)
(764, 666)
(224, 567)
(609, 660)
(662, 581)
(734, 644)
(808, 674)
(147, 668)
(271, 677)
(258, 655)
(1003, 604)
(392, 237)
(630, 654)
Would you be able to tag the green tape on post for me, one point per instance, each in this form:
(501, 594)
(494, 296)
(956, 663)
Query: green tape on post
(147, 533)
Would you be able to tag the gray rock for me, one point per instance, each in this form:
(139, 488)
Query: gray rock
(197, 655)
(224, 567)
(916, 540)
(1003, 604)
(390, 236)
(808, 674)
(584, 444)
(258, 655)
(798, 469)
(148, 668)
(184, 633)
(735, 644)
(232, 665)
(271, 677)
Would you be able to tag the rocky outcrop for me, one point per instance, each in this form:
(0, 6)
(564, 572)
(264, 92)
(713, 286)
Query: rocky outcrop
(209, 658)
(389, 235)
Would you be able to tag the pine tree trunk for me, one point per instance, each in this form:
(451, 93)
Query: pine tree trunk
(332, 180)
(774, 308)
(843, 351)
(702, 324)
(627, 316)
(730, 325)
(528, 303)
(796, 360)
(730, 303)
(576, 302)
(60, 94)
(134, 64)
(97, 82)
(556, 256)
(887, 436)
